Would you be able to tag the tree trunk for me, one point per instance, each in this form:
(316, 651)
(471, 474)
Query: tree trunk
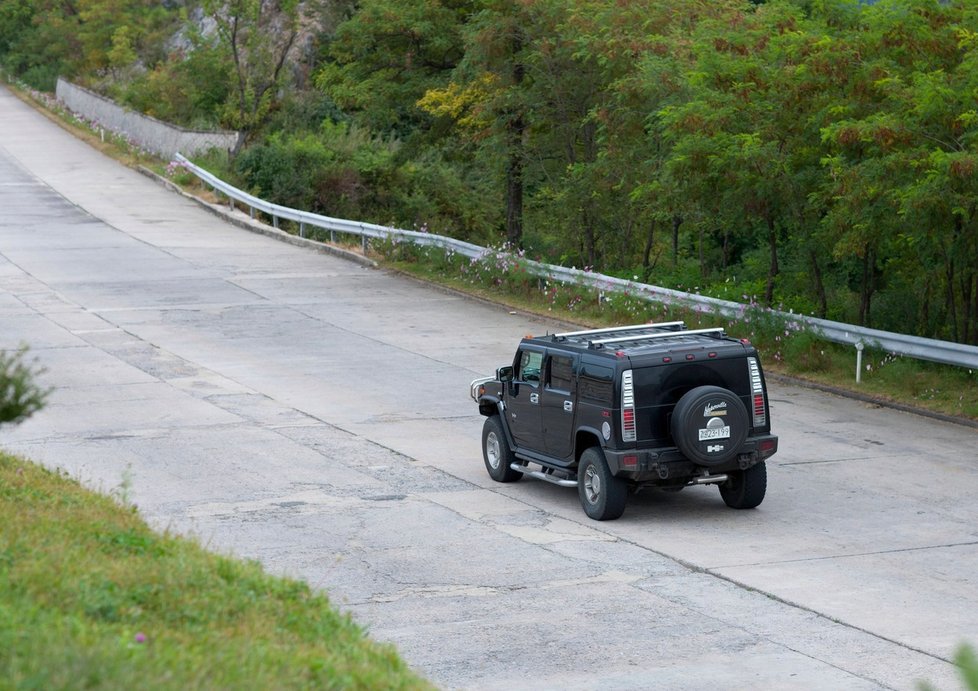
(699, 249)
(820, 297)
(974, 330)
(647, 252)
(590, 215)
(951, 301)
(868, 287)
(590, 248)
(725, 249)
(967, 326)
(514, 171)
(773, 271)
(925, 307)
(676, 222)
(514, 194)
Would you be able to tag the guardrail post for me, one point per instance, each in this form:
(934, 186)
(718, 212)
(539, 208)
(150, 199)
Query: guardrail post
(302, 230)
(859, 361)
(332, 236)
(363, 244)
(275, 221)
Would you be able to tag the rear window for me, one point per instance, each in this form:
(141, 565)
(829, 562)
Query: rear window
(596, 383)
(561, 372)
(664, 385)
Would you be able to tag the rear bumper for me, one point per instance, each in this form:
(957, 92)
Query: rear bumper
(669, 463)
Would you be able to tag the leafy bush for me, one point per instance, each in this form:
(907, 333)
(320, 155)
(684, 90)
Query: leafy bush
(967, 661)
(806, 353)
(186, 91)
(20, 397)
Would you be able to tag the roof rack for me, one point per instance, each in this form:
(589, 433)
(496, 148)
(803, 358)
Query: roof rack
(717, 331)
(654, 328)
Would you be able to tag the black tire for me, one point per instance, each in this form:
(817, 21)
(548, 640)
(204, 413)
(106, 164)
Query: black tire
(745, 489)
(496, 452)
(707, 410)
(602, 494)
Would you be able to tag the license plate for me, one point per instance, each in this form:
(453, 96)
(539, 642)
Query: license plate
(715, 433)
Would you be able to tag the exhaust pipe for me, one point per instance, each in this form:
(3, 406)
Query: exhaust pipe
(710, 479)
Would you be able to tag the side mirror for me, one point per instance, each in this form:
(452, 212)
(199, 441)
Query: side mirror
(504, 374)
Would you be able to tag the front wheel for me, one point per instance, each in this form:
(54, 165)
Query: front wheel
(602, 494)
(745, 488)
(496, 452)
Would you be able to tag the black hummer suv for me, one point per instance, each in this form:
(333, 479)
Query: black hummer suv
(618, 409)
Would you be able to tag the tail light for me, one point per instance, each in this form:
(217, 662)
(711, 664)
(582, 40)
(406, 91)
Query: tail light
(757, 393)
(627, 407)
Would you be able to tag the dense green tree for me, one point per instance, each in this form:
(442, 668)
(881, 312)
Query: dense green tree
(86, 40)
(486, 98)
(39, 40)
(388, 54)
(741, 134)
(189, 88)
(116, 36)
(899, 193)
(938, 200)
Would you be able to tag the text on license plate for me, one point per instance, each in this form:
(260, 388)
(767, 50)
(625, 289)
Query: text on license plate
(715, 433)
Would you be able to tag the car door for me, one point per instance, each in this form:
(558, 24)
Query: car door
(523, 399)
(557, 398)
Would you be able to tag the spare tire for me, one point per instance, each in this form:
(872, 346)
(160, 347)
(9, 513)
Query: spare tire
(709, 425)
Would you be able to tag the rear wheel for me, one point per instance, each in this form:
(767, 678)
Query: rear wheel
(745, 489)
(602, 494)
(496, 452)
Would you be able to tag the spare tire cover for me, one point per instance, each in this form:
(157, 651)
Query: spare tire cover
(709, 425)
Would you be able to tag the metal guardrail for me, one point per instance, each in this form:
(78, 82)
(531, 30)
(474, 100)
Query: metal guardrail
(366, 231)
(930, 349)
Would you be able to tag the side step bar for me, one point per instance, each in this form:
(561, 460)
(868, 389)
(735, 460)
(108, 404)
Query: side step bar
(564, 481)
(543, 475)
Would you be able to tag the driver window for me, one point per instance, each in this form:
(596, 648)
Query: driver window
(530, 365)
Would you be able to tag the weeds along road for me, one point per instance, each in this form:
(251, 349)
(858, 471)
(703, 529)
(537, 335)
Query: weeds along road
(313, 414)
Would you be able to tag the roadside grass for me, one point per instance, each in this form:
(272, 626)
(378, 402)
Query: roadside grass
(91, 597)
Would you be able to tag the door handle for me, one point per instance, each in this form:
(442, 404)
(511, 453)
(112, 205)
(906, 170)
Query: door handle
(569, 406)
(534, 398)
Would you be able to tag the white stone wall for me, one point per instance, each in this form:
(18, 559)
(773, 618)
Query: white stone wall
(148, 133)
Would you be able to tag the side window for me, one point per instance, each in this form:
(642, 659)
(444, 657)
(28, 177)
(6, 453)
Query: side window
(560, 372)
(530, 365)
(596, 384)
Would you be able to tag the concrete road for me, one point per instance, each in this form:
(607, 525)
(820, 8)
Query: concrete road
(312, 413)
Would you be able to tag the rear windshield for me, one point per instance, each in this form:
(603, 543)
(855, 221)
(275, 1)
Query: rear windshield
(596, 383)
(665, 385)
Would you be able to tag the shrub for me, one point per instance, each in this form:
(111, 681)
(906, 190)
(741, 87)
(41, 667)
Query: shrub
(20, 397)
